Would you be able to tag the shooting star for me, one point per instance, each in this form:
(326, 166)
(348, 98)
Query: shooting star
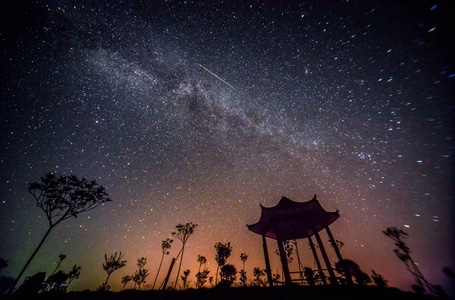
(217, 77)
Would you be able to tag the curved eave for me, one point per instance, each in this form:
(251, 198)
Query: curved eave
(299, 220)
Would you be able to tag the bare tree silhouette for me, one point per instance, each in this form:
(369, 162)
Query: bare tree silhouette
(223, 251)
(183, 233)
(165, 247)
(110, 265)
(61, 198)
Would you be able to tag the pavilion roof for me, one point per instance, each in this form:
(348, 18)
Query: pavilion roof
(290, 220)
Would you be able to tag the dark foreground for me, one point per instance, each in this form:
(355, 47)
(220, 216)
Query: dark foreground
(246, 293)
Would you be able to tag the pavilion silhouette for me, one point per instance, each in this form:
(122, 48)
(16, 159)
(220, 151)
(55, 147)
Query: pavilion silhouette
(290, 220)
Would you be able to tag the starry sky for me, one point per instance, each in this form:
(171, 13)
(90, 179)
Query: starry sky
(193, 111)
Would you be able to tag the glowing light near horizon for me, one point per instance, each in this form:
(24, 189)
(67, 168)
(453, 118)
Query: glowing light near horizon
(122, 93)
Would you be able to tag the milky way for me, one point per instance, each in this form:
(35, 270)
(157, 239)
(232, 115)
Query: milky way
(350, 101)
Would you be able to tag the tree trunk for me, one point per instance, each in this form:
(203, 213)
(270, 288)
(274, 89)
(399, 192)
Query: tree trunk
(29, 260)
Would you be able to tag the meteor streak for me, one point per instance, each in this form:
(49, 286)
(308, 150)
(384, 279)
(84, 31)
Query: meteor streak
(217, 77)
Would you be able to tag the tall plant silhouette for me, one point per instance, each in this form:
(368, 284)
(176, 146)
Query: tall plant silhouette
(403, 252)
(141, 274)
(73, 274)
(61, 198)
(243, 258)
(110, 265)
(165, 247)
(126, 279)
(183, 233)
(223, 251)
(201, 276)
(184, 277)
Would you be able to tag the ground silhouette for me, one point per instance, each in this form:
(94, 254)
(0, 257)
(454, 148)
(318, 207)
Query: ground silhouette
(245, 293)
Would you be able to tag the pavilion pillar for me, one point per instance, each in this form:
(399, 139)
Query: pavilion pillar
(337, 251)
(267, 260)
(284, 262)
(332, 278)
(334, 244)
(316, 258)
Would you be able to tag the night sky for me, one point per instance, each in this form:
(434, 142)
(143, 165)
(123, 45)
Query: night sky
(193, 112)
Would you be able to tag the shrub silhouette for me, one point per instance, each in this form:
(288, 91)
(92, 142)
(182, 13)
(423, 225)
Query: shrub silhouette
(184, 278)
(141, 274)
(126, 279)
(258, 273)
(228, 275)
(31, 286)
(56, 281)
(349, 269)
(201, 276)
(110, 265)
(223, 251)
(61, 198)
(378, 279)
(61, 280)
(309, 276)
(73, 274)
